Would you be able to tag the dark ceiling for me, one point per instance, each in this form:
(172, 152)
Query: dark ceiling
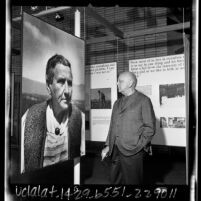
(94, 29)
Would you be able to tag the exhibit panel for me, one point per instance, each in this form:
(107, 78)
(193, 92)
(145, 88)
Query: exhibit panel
(163, 80)
(101, 93)
(41, 43)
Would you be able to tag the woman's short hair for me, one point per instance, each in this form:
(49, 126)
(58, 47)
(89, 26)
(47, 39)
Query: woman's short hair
(52, 62)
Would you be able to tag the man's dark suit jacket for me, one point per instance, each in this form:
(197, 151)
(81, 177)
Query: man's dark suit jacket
(132, 124)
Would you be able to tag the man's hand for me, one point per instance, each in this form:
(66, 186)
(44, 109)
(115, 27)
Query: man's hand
(105, 152)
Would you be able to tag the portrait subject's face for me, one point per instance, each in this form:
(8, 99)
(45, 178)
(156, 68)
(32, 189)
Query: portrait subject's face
(61, 87)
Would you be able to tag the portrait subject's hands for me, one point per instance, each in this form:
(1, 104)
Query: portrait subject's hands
(104, 152)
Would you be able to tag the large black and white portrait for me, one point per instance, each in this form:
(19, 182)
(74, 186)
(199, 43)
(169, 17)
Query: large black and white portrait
(52, 99)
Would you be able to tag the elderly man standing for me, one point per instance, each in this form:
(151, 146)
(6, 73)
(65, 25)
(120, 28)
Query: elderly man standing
(131, 130)
(52, 129)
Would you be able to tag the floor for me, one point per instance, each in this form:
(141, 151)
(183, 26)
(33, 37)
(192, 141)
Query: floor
(161, 170)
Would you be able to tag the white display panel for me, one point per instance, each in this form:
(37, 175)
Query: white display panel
(101, 93)
(163, 80)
